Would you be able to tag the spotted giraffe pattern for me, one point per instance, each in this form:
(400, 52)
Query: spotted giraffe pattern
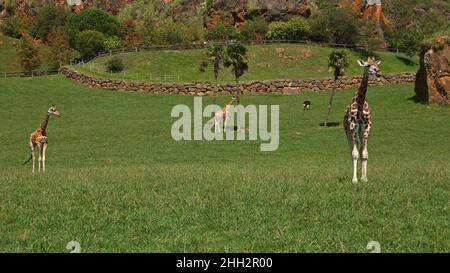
(358, 120)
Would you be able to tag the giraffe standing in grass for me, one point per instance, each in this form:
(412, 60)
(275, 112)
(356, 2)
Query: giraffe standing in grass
(222, 114)
(38, 139)
(358, 120)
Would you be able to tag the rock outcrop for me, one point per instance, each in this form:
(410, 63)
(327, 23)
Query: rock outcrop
(433, 77)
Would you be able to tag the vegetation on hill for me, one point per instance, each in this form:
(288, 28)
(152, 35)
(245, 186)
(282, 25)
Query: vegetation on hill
(147, 22)
(266, 62)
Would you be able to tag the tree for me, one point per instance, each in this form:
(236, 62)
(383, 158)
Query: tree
(90, 43)
(49, 16)
(216, 55)
(130, 34)
(91, 19)
(60, 51)
(338, 61)
(410, 44)
(29, 56)
(221, 31)
(297, 28)
(255, 29)
(236, 58)
(11, 26)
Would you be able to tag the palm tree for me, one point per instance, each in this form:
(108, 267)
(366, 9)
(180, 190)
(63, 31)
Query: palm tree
(215, 54)
(338, 61)
(236, 58)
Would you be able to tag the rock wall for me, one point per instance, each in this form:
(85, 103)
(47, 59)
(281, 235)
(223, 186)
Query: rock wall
(433, 77)
(205, 88)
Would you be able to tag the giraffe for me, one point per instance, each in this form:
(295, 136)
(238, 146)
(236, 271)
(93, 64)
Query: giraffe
(39, 139)
(222, 114)
(358, 120)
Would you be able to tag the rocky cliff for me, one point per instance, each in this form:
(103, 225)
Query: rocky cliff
(433, 77)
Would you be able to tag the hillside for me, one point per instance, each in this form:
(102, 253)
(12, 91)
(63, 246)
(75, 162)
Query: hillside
(8, 60)
(279, 61)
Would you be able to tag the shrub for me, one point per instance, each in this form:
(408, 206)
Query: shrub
(29, 56)
(333, 25)
(255, 29)
(91, 19)
(297, 28)
(172, 33)
(114, 64)
(49, 16)
(90, 43)
(221, 31)
(112, 42)
(11, 26)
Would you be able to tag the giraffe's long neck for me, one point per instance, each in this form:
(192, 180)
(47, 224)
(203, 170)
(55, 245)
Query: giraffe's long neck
(361, 94)
(44, 123)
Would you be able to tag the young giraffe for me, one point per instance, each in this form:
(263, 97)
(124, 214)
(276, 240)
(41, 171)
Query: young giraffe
(358, 120)
(39, 139)
(222, 114)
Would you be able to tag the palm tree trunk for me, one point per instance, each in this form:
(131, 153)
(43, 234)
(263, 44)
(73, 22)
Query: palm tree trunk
(330, 103)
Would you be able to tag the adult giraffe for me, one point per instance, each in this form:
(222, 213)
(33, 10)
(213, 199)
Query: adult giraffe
(358, 120)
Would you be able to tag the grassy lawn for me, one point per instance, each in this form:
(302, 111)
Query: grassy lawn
(266, 62)
(116, 180)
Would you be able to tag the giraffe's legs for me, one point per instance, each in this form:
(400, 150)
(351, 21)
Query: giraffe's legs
(44, 150)
(216, 125)
(355, 157)
(33, 158)
(39, 150)
(225, 123)
(365, 154)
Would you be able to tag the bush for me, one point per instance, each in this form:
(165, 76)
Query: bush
(333, 25)
(171, 33)
(405, 40)
(221, 31)
(112, 42)
(255, 29)
(49, 16)
(297, 28)
(91, 19)
(130, 34)
(29, 56)
(59, 49)
(11, 26)
(114, 64)
(90, 43)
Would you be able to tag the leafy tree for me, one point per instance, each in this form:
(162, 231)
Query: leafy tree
(112, 42)
(11, 26)
(236, 58)
(29, 56)
(91, 19)
(171, 33)
(255, 29)
(130, 34)
(60, 51)
(221, 31)
(338, 61)
(49, 16)
(410, 44)
(334, 25)
(297, 28)
(90, 43)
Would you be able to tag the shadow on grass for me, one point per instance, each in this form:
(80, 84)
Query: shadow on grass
(416, 99)
(330, 124)
(405, 60)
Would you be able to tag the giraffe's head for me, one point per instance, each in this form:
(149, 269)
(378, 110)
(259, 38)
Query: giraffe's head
(53, 111)
(372, 66)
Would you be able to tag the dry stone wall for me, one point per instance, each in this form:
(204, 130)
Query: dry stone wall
(205, 88)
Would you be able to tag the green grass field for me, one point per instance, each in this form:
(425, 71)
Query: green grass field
(266, 62)
(116, 181)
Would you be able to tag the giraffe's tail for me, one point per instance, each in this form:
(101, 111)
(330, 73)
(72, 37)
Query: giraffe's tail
(29, 159)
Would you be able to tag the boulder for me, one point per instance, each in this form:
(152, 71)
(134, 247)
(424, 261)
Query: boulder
(433, 77)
